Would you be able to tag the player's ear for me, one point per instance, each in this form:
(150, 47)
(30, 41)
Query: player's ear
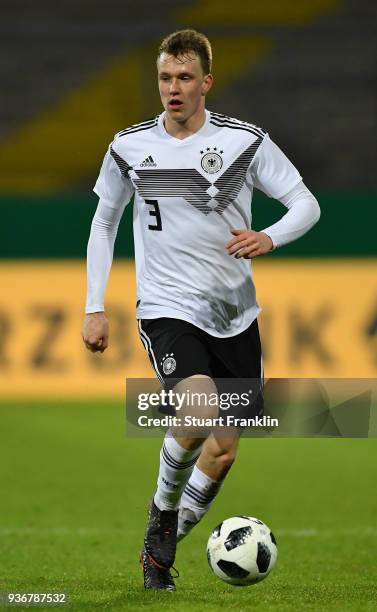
(207, 84)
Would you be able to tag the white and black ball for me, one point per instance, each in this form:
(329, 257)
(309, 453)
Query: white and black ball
(242, 550)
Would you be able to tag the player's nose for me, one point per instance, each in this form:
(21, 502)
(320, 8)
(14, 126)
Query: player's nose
(174, 86)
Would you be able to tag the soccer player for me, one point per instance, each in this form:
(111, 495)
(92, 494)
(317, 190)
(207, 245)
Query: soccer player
(192, 173)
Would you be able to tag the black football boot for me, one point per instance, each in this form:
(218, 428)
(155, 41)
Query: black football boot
(160, 543)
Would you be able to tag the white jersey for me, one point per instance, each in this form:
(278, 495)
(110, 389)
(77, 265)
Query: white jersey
(189, 194)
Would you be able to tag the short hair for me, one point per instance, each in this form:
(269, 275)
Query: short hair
(183, 41)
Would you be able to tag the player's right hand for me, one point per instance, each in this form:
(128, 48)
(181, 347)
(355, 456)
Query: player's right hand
(95, 332)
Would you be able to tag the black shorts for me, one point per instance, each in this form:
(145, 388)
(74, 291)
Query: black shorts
(177, 349)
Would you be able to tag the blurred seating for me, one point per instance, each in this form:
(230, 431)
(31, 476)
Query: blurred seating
(75, 73)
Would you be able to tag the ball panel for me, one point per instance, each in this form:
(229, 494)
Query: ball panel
(232, 570)
(263, 557)
(237, 537)
(216, 532)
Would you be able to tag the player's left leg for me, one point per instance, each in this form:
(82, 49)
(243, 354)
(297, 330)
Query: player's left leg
(237, 359)
(217, 457)
(181, 359)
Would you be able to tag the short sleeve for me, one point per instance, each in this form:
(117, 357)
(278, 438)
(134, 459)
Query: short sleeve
(272, 172)
(112, 185)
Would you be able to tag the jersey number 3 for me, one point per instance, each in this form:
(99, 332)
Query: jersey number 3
(155, 212)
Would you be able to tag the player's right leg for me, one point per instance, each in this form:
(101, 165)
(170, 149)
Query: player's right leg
(181, 448)
(178, 455)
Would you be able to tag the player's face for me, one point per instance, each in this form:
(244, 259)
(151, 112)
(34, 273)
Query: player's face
(182, 85)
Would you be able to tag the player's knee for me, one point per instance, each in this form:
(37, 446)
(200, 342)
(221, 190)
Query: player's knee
(200, 394)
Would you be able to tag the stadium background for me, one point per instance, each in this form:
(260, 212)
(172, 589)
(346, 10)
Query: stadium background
(77, 74)
(72, 75)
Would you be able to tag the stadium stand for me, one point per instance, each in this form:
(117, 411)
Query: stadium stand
(68, 68)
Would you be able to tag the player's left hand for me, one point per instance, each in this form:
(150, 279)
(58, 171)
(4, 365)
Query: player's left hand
(248, 243)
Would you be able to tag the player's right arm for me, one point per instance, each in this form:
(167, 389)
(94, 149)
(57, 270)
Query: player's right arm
(115, 191)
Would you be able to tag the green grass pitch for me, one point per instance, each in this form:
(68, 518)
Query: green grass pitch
(73, 495)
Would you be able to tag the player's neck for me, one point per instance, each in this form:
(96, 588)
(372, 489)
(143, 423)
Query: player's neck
(184, 129)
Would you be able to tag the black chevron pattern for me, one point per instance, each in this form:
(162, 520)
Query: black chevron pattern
(230, 182)
(187, 184)
(192, 185)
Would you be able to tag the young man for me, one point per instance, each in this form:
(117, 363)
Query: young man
(192, 173)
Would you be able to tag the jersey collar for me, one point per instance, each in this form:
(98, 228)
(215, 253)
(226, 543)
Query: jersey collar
(179, 141)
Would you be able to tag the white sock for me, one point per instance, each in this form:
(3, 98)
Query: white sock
(176, 465)
(196, 500)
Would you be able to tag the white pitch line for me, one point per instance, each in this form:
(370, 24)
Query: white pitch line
(289, 532)
(57, 531)
(298, 533)
(315, 532)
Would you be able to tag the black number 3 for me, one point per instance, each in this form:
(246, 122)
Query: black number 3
(155, 212)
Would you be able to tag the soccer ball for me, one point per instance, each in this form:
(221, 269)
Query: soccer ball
(242, 550)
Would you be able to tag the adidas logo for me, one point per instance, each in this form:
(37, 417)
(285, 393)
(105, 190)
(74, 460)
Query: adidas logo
(148, 163)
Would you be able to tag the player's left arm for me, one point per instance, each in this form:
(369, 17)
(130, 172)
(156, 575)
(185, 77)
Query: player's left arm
(303, 213)
(274, 174)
